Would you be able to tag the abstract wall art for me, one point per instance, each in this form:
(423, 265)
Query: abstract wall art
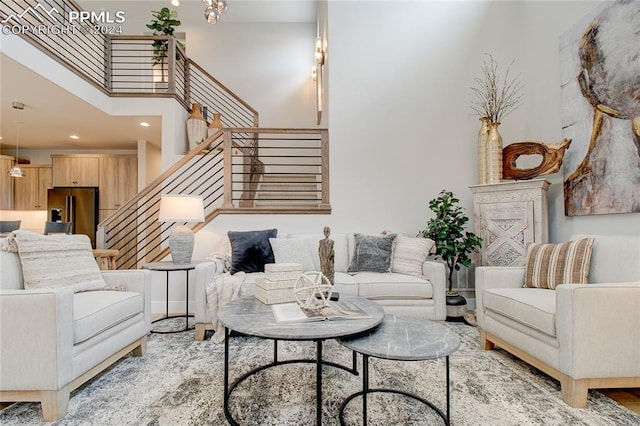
(600, 87)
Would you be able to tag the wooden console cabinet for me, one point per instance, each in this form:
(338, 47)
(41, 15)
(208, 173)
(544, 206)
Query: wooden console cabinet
(508, 216)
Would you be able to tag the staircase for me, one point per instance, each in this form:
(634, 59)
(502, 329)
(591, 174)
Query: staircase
(242, 169)
(277, 190)
(230, 178)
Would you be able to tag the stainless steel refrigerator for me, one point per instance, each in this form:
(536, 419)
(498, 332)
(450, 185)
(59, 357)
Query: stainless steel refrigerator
(76, 205)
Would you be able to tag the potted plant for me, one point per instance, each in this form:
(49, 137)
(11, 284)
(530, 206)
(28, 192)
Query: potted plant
(453, 244)
(164, 23)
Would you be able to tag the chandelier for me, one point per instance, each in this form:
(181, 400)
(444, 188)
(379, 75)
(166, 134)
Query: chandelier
(213, 10)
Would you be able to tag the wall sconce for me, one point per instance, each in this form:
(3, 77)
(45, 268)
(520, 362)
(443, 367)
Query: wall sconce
(316, 73)
(319, 51)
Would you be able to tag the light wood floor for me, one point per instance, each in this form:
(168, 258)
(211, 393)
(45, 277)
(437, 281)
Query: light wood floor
(629, 398)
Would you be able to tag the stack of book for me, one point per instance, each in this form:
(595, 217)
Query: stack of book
(278, 283)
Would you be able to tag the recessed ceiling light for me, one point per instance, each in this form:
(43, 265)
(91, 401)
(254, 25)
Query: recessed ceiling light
(74, 137)
(145, 124)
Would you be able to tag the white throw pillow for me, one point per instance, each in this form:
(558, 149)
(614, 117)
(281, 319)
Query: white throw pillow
(53, 261)
(292, 250)
(409, 253)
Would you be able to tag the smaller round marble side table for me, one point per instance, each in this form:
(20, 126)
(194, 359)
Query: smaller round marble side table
(169, 267)
(401, 339)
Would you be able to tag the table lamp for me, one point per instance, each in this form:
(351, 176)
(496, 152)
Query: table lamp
(181, 208)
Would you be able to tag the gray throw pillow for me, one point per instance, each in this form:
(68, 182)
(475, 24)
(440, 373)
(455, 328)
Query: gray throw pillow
(372, 253)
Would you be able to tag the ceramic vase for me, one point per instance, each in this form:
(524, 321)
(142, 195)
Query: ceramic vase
(215, 125)
(482, 150)
(494, 154)
(196, 127)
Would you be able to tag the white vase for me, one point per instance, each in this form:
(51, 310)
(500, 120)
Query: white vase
(196, 127)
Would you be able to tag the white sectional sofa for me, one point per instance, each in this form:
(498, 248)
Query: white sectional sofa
(53, 340)
(400, 294)
(584, 335)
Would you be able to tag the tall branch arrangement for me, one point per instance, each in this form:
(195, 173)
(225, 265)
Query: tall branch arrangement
(496, 97)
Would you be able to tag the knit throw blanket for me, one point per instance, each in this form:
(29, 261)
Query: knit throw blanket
(54, 261)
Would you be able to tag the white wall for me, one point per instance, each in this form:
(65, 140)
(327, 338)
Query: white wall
(399, 119)
(400, 124)
(267, 65)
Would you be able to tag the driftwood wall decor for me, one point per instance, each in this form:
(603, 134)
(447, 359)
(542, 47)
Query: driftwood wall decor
(552, 155)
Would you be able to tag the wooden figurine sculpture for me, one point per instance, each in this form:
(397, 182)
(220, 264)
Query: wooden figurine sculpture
(327, 255)
(551, 158)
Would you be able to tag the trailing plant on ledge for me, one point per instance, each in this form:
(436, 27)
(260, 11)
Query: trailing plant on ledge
(453, 243)
(496, 96)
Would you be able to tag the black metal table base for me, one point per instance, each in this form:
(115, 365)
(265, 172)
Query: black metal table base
(366, 391)
(168, 317)
(228, 389)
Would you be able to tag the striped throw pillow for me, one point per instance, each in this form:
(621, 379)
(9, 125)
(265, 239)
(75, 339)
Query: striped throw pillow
(548, 265)
(409, 253)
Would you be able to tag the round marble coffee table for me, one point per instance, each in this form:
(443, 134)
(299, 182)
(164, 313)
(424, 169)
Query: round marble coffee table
(251, 317)
(401, 339)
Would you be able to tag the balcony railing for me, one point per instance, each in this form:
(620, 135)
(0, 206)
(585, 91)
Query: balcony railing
(122, 65)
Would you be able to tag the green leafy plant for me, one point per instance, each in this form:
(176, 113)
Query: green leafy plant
(164, 23)
(453, 243)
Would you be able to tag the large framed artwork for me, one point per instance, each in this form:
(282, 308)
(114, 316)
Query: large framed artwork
(600, 87)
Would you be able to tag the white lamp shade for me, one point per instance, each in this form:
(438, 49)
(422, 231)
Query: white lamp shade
(181, 208)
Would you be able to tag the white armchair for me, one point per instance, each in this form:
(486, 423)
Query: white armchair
(54, 340)
(585, 336)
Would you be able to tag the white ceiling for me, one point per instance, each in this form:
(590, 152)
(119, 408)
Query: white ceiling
(52, 114)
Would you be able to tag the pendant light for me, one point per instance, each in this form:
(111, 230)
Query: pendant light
(213, 10)
(16, 171)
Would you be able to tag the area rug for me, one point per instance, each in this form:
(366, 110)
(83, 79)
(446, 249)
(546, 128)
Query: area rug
(179, 382)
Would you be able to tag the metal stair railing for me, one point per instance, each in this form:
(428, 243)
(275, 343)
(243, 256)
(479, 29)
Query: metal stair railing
(122, 65)
(290, 157)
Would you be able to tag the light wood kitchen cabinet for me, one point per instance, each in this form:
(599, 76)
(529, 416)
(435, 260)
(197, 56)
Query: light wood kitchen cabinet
(6, 183)
(75, 170)
(118, 180)
(30, 191)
